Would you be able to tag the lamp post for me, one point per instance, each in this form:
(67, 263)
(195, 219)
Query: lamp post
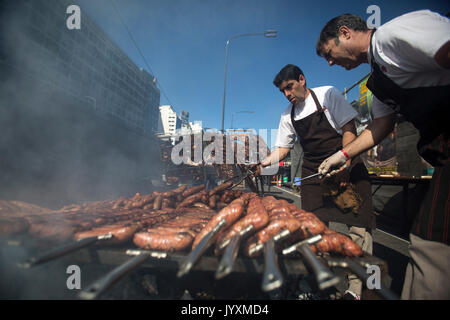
(267, 34)
(232, 116)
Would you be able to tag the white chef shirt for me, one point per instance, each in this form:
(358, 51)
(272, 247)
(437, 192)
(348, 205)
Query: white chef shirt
(404, 48)
(337, 110)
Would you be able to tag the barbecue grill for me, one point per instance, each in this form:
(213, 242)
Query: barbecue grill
(280, 258)
(125, 260)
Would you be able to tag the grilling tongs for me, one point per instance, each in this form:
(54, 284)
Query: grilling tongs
(204, 244)
(99, 286)
(63, 250)
(272, 279)
(324, 277)
(232, 248)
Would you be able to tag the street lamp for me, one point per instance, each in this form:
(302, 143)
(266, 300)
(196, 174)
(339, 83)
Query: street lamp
(267, 34)
(232, 116)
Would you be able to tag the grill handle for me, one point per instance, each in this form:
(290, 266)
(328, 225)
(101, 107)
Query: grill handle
(361, 273)
(324, 277)
(204, 244)
(62, 250)
(99, 286)
(226, 263)
(272, 279)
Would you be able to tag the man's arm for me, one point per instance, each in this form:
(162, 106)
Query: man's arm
(276, 156)
(348, 135)
(371, 136)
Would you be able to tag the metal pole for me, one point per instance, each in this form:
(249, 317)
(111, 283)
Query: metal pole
(225, 84)
(268, 34)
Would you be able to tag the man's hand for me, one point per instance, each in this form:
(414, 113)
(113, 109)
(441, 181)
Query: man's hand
(337, 160)
(256, 168)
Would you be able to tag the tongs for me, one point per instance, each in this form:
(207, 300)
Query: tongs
(354, 265)
(247, 174)
(63, 250)
(99, 286)
(231, 252)
(324, 277)
(204, 244)
(272, 278)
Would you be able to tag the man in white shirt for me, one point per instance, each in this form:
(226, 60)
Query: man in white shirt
(410, 59)
(322, 120)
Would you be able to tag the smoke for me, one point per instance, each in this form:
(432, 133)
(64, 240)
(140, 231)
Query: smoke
(60, 141)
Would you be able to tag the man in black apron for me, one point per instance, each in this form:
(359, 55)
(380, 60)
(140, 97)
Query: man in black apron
(410, 59)
(322, 121)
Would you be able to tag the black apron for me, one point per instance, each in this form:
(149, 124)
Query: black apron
(428, 109)
(320, 140)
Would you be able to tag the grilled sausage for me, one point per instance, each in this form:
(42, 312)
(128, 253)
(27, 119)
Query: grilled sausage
(191, 199)
(220, 187)
(174, 192)
(230, 213)
(12, 225)
(193, 190)
(121, 233)
(157, 203)
(256, 216)
(200, 205)
(338, 243)
(165, 241)
(212, 201)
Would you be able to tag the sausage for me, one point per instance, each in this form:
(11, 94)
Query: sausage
(220, 205)
(52, 231)
(121, 233)
(205, 198)
(167, 241)
(225, 195)
(12, 225)
(157, 203)
(221, 187)
(230, 213)
(193, 190)
(200, 205)
(256, 216)
(173, 192)
(310, 224)
(191, 199)
(119, 203)
(338, 243)
(141, 202)
(212, 201)
(273, 228)
(167, 203)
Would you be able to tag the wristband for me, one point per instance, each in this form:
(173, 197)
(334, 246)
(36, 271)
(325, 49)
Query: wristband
(345, 154)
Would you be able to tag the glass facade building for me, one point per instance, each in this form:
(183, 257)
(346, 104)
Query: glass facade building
(77, 117)
(84, 63)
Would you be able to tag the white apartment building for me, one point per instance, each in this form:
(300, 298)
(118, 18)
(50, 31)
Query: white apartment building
(169, 121)
(171, 124)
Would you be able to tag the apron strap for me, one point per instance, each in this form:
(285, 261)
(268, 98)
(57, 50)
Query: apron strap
(318, 106)
(316, 101)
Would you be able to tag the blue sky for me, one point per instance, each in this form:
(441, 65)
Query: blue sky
(184, 44)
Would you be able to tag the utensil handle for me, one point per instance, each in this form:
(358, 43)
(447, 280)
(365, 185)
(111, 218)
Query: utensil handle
(58, 252)
(226, 263)
(324, 277)
(272, 279)
(199, 249)
(99, 286)
(361, 273)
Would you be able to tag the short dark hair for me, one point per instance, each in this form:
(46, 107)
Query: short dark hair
(331, 29)
(289, 72)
